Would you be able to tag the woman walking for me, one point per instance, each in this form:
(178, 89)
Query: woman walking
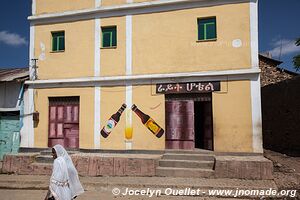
(64, 181)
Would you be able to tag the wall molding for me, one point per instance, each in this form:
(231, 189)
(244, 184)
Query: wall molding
(257, 143)
(97, 112)
(241, 74)
(254, 33)
(33, 7)
(127, 9)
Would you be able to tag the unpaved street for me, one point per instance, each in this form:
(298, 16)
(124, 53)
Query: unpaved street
(102, 194)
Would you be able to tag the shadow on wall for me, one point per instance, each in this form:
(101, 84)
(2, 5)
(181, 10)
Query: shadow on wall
(281, 116)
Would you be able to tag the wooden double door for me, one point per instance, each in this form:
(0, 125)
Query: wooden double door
(64, 122)
(189, 122)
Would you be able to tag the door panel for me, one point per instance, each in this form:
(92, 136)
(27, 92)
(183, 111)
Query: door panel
(9, 133)
(64, 122)
(180, 124)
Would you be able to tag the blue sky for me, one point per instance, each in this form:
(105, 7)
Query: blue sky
(278, 28)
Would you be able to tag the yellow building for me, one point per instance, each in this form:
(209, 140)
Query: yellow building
(191, 66)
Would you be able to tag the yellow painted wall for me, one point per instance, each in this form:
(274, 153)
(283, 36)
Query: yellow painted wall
(78, 58)
(113, 60)
(153, 105)
(167, 41)
(51, 6)
(232, 117)
(112, 2)
(86, 118)
(140, 1)
(112, 99)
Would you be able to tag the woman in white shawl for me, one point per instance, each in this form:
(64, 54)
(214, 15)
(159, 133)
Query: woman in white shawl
(64, 181)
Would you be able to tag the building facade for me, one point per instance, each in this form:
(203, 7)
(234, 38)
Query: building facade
(12, 92)
(188, 68)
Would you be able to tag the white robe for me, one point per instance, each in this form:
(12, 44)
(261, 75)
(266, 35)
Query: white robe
(64, 171)
(59, 182)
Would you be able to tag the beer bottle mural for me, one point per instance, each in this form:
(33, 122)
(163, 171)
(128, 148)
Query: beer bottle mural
(148, 122)
(112, 122)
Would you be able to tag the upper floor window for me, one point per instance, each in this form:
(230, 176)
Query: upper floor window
(207, 29)
(58, 41)
(109, 36)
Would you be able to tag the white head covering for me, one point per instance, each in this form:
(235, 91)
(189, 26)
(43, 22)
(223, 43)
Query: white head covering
(59, 180)
(73, 179)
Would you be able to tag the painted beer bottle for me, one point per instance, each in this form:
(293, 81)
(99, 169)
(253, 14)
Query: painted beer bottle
(148, 122)
(112, 122)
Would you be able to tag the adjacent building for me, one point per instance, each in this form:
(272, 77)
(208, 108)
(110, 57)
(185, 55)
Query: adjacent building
(12, 90)
(190, 67)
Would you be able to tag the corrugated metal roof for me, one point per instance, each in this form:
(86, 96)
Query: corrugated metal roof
(13, 74)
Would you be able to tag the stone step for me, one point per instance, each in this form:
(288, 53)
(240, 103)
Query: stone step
(184, 172)
(49, 152)
(203, 157)
(44, 159)
(184, 151)
(186, 164)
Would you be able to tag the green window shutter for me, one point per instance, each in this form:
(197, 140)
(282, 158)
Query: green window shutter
(106, 40)
(54, 42)
(114, 37)
(109, 36)
(201, 31)
(61, 43)
(207, 29)
(58, 41)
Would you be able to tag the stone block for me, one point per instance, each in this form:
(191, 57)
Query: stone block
(251, 170)
(133, 167)
(6, 164)
(16, 163)
(105, 166)
(234, 169)
(266, 170)
(74, 159)
(93, 162)
(221, 170)
(82, 165)
(243, 167)
(119, 166)
(41, 169)
(148, 167)
(26, 169)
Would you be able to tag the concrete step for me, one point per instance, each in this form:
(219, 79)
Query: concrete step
(49, 152)
(186, 164)
(44, 159)
(203, 157)
(184, 172)
(184, 151)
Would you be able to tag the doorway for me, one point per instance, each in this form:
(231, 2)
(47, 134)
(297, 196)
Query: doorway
(189, 121)
(64, 122)
(203, 125)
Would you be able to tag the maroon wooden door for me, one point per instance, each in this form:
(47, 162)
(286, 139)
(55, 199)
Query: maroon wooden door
(180, 124)
(64, 122)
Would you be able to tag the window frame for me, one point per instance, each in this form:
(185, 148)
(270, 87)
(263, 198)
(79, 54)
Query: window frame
(205, 29)
(103, 32)
(57, 49)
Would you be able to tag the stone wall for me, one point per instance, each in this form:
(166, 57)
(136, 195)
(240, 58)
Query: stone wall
(87, 165)
(243, 167)
(281, 116)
